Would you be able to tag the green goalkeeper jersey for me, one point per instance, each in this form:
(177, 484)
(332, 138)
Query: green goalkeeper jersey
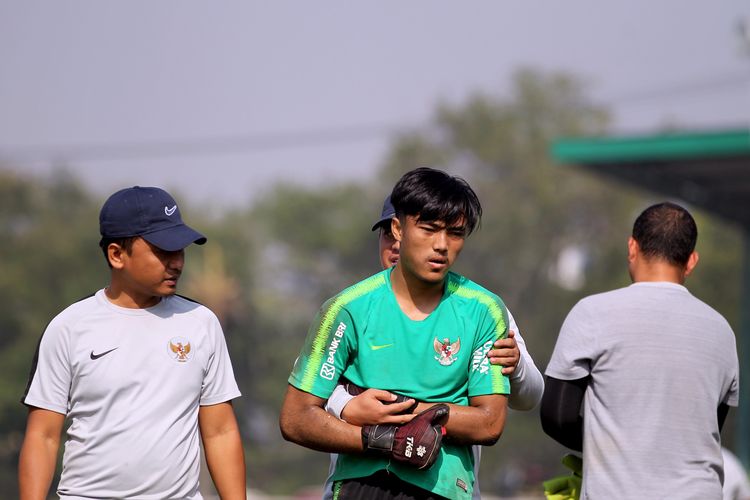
(362, 335)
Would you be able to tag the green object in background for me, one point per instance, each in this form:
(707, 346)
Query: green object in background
(566, 487)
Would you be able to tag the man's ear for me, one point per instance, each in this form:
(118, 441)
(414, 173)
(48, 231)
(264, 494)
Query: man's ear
(691, 263)
(116, 255)
(633, 249)
(396, 228)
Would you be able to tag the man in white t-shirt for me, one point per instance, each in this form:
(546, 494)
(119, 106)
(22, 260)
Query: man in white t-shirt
(653, 371)
(141, 374)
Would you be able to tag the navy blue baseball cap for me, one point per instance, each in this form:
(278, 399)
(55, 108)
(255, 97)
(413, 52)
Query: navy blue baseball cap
(387, 214)
(148, 212)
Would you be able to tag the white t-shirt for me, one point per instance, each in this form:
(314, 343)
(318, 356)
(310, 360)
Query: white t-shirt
(131, 381)
(661, 362)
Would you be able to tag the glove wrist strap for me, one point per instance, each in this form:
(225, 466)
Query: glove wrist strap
(378, 437)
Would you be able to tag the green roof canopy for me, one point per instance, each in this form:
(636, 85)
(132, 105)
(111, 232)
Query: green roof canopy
(708, 169)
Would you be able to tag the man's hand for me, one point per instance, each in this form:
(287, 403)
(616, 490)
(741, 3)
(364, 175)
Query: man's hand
(416, 443)
(374, 406)
(505, 353)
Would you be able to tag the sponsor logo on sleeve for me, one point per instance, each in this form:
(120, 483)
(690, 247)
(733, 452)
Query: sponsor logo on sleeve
(479, 361)
(328, 370)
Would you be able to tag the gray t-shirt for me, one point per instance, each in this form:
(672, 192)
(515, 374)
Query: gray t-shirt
(131, 382)
(661, 362)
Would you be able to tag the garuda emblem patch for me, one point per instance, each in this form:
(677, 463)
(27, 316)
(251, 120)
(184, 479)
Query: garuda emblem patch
(446, 352)
(179, 349)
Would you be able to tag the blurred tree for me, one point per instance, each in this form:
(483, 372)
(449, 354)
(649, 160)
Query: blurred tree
(50, 259)
(310, 245)
(550, 235)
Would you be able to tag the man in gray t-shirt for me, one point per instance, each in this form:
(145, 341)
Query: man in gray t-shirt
(652, 371)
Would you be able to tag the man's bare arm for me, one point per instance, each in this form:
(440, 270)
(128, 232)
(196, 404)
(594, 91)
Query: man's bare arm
(304, 421)
(223, 447)
(481, 423)
(36, 464)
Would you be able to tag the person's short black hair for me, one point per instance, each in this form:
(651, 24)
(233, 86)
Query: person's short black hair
(432, 195)
(125, 243)
(666, 231)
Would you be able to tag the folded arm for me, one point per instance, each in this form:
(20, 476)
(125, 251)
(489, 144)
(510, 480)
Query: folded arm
(303, 420)
(480, 423)
(370, 407)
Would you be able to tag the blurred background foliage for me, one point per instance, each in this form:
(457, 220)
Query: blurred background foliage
(550, 235)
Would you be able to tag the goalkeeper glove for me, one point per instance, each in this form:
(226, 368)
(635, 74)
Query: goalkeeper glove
(416, 443)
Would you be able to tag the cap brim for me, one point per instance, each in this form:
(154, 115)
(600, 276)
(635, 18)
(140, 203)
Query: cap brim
(174, 238)
(381, 222)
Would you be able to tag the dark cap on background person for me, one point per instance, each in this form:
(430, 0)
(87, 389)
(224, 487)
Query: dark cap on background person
(148, 212)
(386, 215)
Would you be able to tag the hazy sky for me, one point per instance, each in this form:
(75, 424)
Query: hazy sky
(221, 99)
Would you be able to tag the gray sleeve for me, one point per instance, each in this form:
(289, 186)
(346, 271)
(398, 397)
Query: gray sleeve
(328, 486)
(219, 384)
(732, 397)
(49, 385)
(576, 346)
(732, 385)
(526, 382)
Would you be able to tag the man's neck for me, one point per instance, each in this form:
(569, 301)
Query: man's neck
(119, 296)
(658, 271)
(416, 298)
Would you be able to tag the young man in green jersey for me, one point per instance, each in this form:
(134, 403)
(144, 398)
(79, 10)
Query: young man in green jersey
(418, 330)
(374, 406)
